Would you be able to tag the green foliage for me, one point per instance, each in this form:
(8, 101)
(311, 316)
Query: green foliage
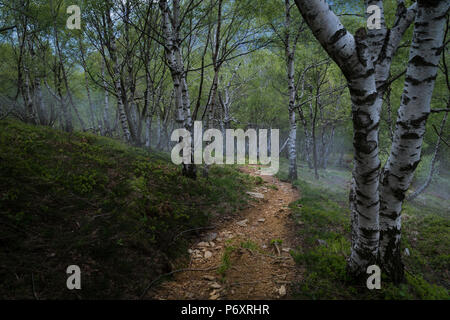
(226, 260)
(276, 242)
(250, 245)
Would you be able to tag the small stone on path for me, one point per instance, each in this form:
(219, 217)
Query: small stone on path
(215, 285)
(242, 223)
(211, 236)
(256, 195)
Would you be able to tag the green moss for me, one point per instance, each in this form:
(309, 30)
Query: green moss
(110, 208)
(276, 242)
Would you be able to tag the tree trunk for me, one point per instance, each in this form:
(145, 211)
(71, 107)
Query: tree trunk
(307, 139)
(38, 111)
(106, 123)
(427, 182)
(158, 130)
(290, 45)
(326, 146)
(292, 142)
(170, 30)
(67, 114)
(313, 133)
(91, 106)
(28, 98)
(148, 129)
(147, 112)
(39, 101)
(120, 104)
(406, 148)
(353, 57)
(66, 82)
(118, 87)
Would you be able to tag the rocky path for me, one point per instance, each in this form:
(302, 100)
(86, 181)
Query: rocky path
(246, 255)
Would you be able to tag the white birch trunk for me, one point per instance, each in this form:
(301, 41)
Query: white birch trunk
(158, 130)
(365, 61)
(148, 129)
(120, 92)
(91, 105)
(426, 49)
(39, 102)
(427, 182)
(28, 98)
(290, 65)
(172, 49)
(106, 123)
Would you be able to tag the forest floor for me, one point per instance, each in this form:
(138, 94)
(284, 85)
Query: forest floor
(246, 255)
(131, 222)
(122, 214)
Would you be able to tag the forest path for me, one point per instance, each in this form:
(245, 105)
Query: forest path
(243, 254)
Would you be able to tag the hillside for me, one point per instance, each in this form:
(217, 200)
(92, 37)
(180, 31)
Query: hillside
(118, 212)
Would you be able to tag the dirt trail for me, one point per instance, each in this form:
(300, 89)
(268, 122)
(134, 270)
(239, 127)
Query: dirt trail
(260, 266)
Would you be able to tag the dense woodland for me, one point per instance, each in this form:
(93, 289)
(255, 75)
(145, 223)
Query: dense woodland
(362, 115)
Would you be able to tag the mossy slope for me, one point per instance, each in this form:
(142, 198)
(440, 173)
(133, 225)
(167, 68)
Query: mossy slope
(111, 209)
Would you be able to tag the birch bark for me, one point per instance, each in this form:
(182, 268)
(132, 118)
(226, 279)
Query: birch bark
(106, 125)
(172, 48)
(433, 162)
(120, 92)
(290, 45)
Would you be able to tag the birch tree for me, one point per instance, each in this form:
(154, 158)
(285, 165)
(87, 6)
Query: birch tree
(226, 99)
(365, 60)
(396, 177)
(106, 124)
(288, 33)
(441, 132)
(427, 182)
(172, 19)
(290, 43)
